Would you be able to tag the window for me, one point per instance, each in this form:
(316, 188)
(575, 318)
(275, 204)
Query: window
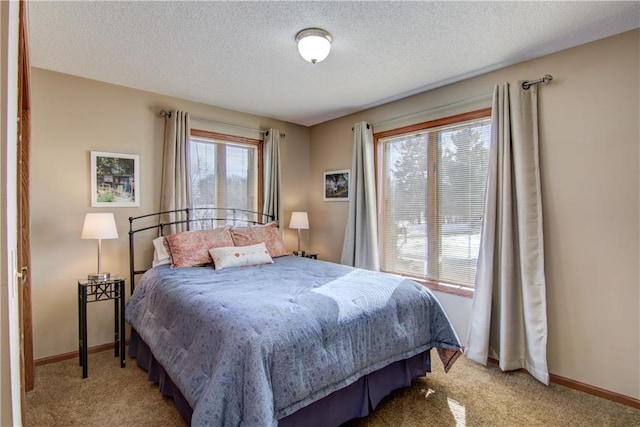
(432, 179)
(225, 172)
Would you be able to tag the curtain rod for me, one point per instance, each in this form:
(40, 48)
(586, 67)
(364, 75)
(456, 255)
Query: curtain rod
(167, 114)
(368, 126)
(544, 80)
(439, 107)
(525, 85)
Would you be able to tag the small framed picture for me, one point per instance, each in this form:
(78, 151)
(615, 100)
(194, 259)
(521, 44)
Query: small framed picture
(336, 186)
(115, 180)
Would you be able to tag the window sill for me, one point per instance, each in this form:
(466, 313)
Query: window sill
(446, 288)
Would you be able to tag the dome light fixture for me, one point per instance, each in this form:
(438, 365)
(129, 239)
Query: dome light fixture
(314, 44)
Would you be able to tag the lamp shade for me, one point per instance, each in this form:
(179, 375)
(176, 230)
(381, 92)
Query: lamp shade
(299, 220)
(314, 44)
(99, 226)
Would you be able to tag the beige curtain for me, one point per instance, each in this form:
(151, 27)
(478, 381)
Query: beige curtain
(272, 179)
(360, 247)
(509, 317)
(176, 184)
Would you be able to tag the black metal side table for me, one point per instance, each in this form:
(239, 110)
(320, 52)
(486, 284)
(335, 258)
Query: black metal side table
(101, 290)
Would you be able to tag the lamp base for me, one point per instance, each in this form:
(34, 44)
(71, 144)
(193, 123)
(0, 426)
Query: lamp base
(99, 276)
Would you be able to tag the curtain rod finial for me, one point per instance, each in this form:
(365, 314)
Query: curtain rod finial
(544, 80)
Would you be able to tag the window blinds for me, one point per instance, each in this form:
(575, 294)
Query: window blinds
(433, 184)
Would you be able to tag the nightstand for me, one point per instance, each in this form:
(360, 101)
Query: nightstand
(94, 291)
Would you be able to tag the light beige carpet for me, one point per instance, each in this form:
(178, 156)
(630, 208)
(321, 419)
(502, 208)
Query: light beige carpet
(469, 395)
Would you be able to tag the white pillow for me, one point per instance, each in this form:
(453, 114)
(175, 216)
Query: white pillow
(240, 256)
(160, 254)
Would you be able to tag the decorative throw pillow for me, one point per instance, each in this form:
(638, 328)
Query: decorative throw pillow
(269, 234)
(191, 248)
(160, 254)
(240, 256)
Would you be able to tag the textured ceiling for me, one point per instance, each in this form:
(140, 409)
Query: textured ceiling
(242, 55)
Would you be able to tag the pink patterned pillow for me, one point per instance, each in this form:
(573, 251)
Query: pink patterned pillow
(191, 248)
(268, 233)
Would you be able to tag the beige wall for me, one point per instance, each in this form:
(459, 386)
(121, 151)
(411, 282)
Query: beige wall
(74, 116)
(589, 148)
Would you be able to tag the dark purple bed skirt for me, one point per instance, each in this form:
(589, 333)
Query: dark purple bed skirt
(354, 401)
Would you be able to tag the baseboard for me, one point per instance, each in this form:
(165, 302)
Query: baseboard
(74, 354)
(589, 389)
(596, 391)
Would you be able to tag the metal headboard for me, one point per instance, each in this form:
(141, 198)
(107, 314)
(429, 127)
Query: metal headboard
(203, 218)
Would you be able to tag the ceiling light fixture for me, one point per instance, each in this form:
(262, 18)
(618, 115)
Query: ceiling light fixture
(314, 44)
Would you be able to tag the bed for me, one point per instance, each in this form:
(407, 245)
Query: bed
(280, 340)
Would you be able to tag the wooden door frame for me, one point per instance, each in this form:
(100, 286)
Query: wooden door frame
(12, 394)
(27, 366)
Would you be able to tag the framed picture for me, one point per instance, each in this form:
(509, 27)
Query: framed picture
(115, 180)
(336, 186)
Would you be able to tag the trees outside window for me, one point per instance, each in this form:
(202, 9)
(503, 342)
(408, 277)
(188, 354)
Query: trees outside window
(432, 179)
(225, 172)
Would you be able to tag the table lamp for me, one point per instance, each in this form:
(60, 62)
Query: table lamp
(299, 220)
(99, 226)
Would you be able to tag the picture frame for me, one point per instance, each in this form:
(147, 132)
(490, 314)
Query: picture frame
(336, 185)
(115, 180)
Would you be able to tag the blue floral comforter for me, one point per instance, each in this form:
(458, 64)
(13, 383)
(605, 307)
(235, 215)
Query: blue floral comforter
(250, 345)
